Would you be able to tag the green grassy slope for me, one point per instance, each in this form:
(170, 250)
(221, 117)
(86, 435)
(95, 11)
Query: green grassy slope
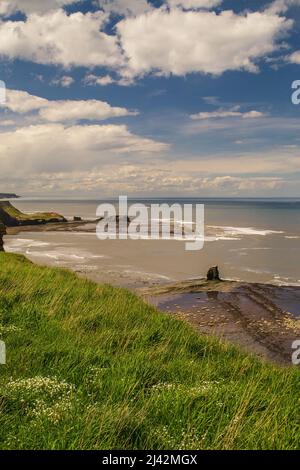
(93, 367)
(11, 216)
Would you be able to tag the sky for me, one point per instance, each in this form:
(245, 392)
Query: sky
(150, 98)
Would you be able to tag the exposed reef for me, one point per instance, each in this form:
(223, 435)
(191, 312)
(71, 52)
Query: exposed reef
(262, 318)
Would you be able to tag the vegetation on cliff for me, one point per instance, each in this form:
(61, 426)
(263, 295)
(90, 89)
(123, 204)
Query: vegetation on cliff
(93, 367)
(12, 217)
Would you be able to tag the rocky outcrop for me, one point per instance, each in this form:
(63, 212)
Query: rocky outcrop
(2, 233)
(10, 216)
(213, 274)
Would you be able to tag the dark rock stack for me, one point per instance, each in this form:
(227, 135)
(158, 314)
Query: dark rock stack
(2, 233)
(213, 274)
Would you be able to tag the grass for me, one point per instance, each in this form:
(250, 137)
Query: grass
(21, 217)
(93, 367)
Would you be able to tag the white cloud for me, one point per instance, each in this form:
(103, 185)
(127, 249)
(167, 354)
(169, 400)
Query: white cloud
(241, 184)
(62, 110)
(110, 159)
(22, 102)
(161, 41)
(65, 81)
(32, 6)
(179, 42)
(125, 7)
(294, 58)
(59, 111)
(194, 4)
(221, 113)
(102, 80)
(281, 6)
(58, 38)
(7, 122)
(54, 148)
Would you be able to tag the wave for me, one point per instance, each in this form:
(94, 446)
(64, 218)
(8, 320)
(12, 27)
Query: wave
(20, 244)
(243, 230)
(285, 281)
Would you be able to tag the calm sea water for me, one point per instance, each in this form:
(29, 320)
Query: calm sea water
(254, 240)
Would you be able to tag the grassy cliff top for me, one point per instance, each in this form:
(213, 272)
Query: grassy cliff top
(12, 216)
(93, 367)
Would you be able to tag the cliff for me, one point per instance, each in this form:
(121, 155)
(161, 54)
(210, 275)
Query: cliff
(2, 232)
(12, 217)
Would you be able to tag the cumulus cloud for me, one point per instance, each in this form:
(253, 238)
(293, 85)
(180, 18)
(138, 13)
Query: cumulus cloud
(22, 102)
(194, 4)
(58, 111)
(102, 80)
(232, 113)
(294, 58)
(58, 38)
(125, 7)
(55, 148)
(281, 6)
(32, 6)
(62, 110)
(110, 159)
(180, 42)
(160, 41)
(65, 81)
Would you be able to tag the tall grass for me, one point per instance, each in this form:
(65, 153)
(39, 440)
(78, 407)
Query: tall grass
(93, 367)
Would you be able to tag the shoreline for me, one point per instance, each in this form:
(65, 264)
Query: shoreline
(88, 227)
(243, 313)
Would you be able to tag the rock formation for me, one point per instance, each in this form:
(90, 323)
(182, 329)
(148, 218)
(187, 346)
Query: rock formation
(2, 233)
(213, 274)
(12, 217)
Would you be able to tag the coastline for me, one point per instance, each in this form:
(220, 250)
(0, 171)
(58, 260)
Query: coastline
(243, 313)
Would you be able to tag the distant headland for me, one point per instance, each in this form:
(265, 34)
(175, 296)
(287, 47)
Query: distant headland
(10, 216)
(9, 196)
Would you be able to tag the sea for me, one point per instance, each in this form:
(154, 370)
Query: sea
(255, 240)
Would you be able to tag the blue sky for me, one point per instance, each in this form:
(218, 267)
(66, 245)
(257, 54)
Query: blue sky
(128, 97)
